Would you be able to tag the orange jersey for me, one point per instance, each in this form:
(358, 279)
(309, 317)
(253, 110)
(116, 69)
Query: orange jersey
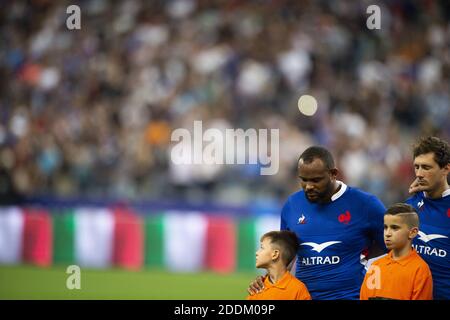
(408, 278)
(287, 288)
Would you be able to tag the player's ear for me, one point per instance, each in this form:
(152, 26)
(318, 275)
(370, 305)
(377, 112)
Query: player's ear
(413, 233)
(334, 173)
(446, 169)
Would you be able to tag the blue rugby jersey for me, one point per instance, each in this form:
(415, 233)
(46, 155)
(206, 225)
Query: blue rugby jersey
(433, 240)
(332, 239)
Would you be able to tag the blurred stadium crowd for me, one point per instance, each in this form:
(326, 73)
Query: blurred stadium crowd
(90, 112)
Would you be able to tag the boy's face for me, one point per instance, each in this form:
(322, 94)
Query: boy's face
(265, 254)
(397, 233)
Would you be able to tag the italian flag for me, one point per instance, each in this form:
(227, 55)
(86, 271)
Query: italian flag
(101, 237)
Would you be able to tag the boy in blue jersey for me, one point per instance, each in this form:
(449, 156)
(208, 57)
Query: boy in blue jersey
(335, 224)
(432, 202)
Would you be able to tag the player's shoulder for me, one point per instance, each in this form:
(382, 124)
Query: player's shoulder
(414, 199)
(297, 196)
(357, 193)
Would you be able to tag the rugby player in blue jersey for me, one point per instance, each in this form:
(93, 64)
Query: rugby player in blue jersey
(335, 224)
(431, 199)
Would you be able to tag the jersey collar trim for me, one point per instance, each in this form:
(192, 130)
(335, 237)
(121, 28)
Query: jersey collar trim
(341, 191)
(446, 193)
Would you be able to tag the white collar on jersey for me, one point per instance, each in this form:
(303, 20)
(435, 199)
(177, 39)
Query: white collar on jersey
(444, 194)
(341, 191)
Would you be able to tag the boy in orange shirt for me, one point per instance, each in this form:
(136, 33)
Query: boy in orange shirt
(278, 249)
(401, 274)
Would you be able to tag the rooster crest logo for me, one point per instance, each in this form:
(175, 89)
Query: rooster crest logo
(302, 219)
(420, 204)
(345, 217)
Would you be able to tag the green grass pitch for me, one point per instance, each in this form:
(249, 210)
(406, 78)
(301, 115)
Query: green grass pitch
(30, 282)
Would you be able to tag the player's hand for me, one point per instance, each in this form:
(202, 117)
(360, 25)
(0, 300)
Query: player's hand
(415, 187)
(256, 286)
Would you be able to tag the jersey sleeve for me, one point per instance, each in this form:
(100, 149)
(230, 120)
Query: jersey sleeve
(412, 200)
(284, 213)
(376, 210)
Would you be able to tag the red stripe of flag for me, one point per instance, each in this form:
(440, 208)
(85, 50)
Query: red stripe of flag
(220, 244)
(37, 237)
(128, 246)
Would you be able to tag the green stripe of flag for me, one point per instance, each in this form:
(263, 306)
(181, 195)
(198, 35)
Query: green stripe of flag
(63, 232)
(154, 237)
(246, 245)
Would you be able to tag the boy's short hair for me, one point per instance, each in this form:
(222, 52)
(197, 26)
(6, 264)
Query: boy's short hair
(439, 147)
(406, 211)
(286, 241)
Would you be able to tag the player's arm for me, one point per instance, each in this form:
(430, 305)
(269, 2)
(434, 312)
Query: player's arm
(256, 285)
(375, 215)
(283, 226)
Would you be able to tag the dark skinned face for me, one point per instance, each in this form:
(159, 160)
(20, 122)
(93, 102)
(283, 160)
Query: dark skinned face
(317, 181)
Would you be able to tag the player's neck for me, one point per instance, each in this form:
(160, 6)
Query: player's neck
(335, 189)
(276, 272)
(400, 253)
(437, 193)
